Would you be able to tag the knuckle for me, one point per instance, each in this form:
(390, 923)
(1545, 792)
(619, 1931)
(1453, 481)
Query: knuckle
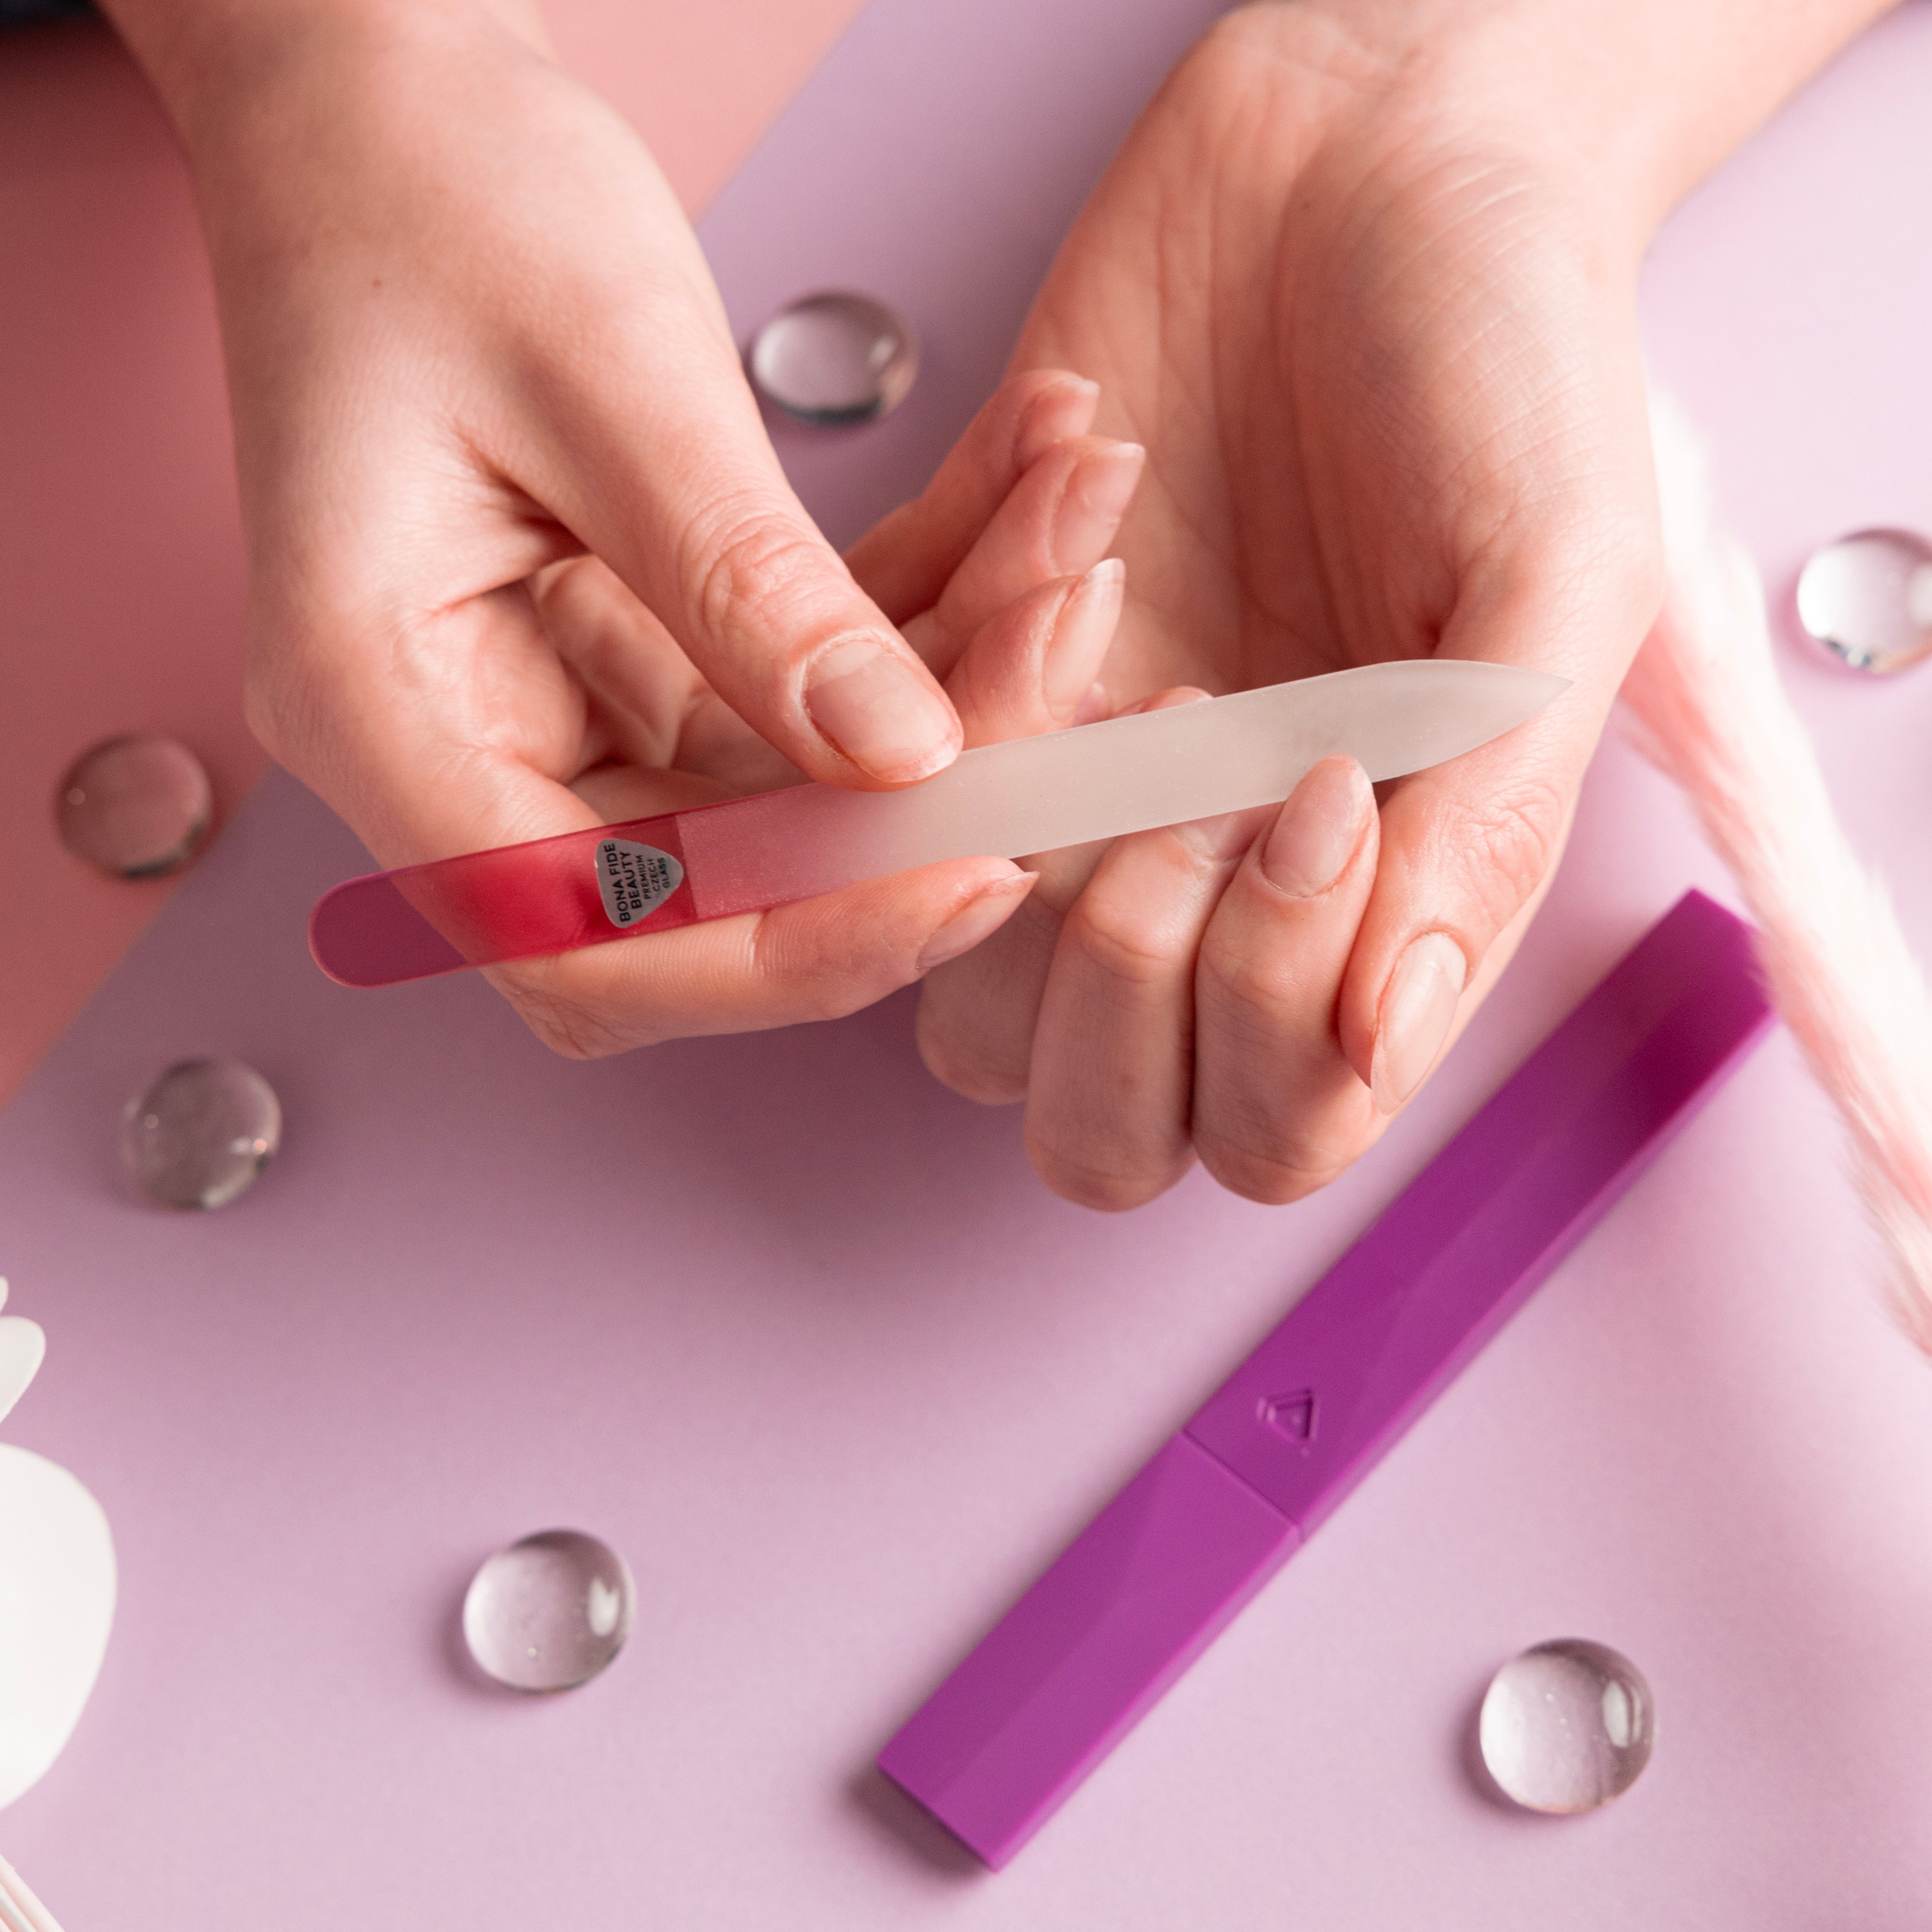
(1267, 1183)
(567, 1027)
(813, 982)
(1105, 1191)
(1271, 1172)
(1504, 850)
(973, 1069)
(1108, 1187)
(745, 562)
(1120, 938)
(1271, 1123)
(1247, 983)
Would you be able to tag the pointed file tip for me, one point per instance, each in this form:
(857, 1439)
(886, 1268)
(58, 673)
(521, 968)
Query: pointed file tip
(1525, 691)
(1441, 707)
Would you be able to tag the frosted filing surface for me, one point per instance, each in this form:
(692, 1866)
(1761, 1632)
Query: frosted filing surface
(1099, 780)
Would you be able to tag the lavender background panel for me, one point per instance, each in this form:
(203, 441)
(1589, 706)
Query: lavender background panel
(797, 1331)
(935, 160)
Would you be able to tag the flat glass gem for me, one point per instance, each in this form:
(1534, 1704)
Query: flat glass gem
(834, 358)
(201, 1133)
(1566, 1726)
(550, 1612)
(135, 808)
(1868, 599)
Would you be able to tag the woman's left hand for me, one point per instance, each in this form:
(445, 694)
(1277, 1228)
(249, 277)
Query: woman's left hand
(1376, 334)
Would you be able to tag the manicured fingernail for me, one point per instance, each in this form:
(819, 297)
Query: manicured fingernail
(1418, 1007)
(1318, 829)
(978, 919)
(875, 705)
(1062, 408)
(1095, 500)
(1081, 636)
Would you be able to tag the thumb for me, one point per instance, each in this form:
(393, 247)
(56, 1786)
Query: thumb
(657, 459)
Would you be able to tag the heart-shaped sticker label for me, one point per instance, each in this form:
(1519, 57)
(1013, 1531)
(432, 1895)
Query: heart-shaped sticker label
(22, 1348)
(634, 880)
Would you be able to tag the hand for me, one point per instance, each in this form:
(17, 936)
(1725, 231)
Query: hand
(994, 591)
(522, 557)
(1376, 332)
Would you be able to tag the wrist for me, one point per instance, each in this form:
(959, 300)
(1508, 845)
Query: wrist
(216, 63)
(1628, 103)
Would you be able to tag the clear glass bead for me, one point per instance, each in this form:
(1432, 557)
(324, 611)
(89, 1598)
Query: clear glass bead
(1868, 599)
(201, 1133)
(549, 1613)
(1566, 1726)
(834, 358)
(135, 808)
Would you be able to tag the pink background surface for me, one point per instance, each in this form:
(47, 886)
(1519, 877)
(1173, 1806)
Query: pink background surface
(797, 1331)
(120, 540)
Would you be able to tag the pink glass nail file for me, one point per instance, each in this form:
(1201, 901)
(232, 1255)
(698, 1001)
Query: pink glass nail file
(1147, 1585)
(1030, 795)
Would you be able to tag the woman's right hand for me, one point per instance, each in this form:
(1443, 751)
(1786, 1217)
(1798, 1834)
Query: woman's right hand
(522, 557)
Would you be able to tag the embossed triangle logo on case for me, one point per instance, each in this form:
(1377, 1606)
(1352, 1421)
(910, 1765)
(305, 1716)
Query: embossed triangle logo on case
(1292, 1415)
(634, 880)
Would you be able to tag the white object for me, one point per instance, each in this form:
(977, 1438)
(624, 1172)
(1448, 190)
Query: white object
(23, 1348)
(1715, 716)
(57, 1587)
(57, 1582)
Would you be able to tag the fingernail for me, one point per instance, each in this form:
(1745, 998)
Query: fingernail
(1095, 500)
(876, 708)
(982, 915)
(1418, 1006)
(1063, 409)
(1080, 637)
(1318, 829)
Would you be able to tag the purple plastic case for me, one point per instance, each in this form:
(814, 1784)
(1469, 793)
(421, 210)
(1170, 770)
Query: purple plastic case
(1140, 1593)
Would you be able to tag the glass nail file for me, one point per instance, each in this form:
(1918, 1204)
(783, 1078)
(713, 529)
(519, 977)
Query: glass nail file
(1146, 1586)
(1029, 795)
